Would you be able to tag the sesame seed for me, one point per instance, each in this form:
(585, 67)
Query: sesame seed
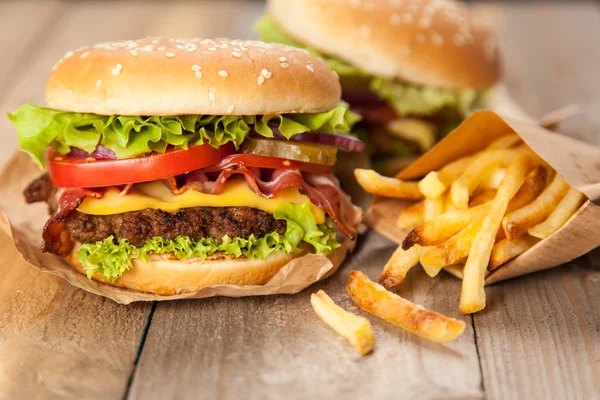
(395, 19)
(407, 18)
(262, 50)
(198, 74)
(117, 70)
(405, 50)
(267, 74)
(261, 80)
(211, 96)
(68, 54)
(212, 49)
(98, 83)
(284, 65)
(196, 67)
(230, 109)
(282, 59)
(224, 74)
(236, 54)
(133, 53)
(437, 39)
(310, 68)
(84, 55)
(170, 55)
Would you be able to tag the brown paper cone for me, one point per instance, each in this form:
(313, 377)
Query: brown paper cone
(24, 224)
(577, 162)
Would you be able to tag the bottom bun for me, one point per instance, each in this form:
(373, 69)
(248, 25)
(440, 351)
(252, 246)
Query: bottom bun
(166, 275)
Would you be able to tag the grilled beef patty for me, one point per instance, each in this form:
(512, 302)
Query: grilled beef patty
(139, 226)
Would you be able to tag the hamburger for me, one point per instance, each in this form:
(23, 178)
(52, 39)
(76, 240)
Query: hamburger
(414, 69)
(175, 164)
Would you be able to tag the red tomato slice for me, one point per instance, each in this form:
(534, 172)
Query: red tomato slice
(68, 171)
(257, 161)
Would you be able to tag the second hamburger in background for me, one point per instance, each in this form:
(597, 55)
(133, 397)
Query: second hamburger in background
(413, 69)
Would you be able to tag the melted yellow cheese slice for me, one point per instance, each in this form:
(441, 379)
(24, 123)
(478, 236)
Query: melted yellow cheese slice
(157, 196)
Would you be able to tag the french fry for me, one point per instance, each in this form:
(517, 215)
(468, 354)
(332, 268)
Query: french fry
(516, 223)
(482, 197)
(505, 250)
(431, 260)
(386, 305)
(433, 208)
(493, 180)
(384, 186)
(472, 298)
(357, 330)
(565, 209)
(483, 164)
(505, 141)
(440, 229)
(412, 216)
(431, 186)
(398, 265)
(458, 246)
(451, 171)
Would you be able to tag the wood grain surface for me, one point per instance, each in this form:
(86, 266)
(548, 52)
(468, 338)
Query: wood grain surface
(539, 338)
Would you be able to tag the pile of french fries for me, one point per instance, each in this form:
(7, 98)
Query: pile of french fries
(477, 212)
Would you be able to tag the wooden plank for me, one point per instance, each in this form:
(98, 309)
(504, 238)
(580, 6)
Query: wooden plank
(57, 341)
(276, 347)
(22, 20)
(539, 338)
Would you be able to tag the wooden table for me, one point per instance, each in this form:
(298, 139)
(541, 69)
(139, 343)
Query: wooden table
(539, 337)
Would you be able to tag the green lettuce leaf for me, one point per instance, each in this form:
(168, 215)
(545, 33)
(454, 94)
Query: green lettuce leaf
(40, 127)
(111, 257)
(405, 98)
(423, 101)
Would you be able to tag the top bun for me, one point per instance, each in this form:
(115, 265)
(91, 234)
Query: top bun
(428, 42)
(156, 76)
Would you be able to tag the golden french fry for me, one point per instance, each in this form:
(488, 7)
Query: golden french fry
(516, 223)
(357, 330)
(433, 208)
(374, 299)
(398, 265)
(505, 142)
(431, 260)
(451, 171)
(484, 164)
(411, 216)
(565, 209)
(482, 197)
(384, 186)
(440, 229)
(472, 298)
(458, 246)
(505, 250)
(493, 180)
(431, 186)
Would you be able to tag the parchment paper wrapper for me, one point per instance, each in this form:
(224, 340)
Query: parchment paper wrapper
(577, 162)
(24, 224)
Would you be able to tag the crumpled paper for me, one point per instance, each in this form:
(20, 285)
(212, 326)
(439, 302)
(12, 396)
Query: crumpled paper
(577, 162)
(24, 224)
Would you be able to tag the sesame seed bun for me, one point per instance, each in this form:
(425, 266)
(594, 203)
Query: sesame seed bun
(428, 42)
(166, 275)
(155, 76)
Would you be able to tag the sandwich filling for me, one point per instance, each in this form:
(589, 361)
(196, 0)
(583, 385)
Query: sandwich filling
(127, 187)
(413, 117)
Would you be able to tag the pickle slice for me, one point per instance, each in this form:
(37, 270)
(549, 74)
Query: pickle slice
(299, 151)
